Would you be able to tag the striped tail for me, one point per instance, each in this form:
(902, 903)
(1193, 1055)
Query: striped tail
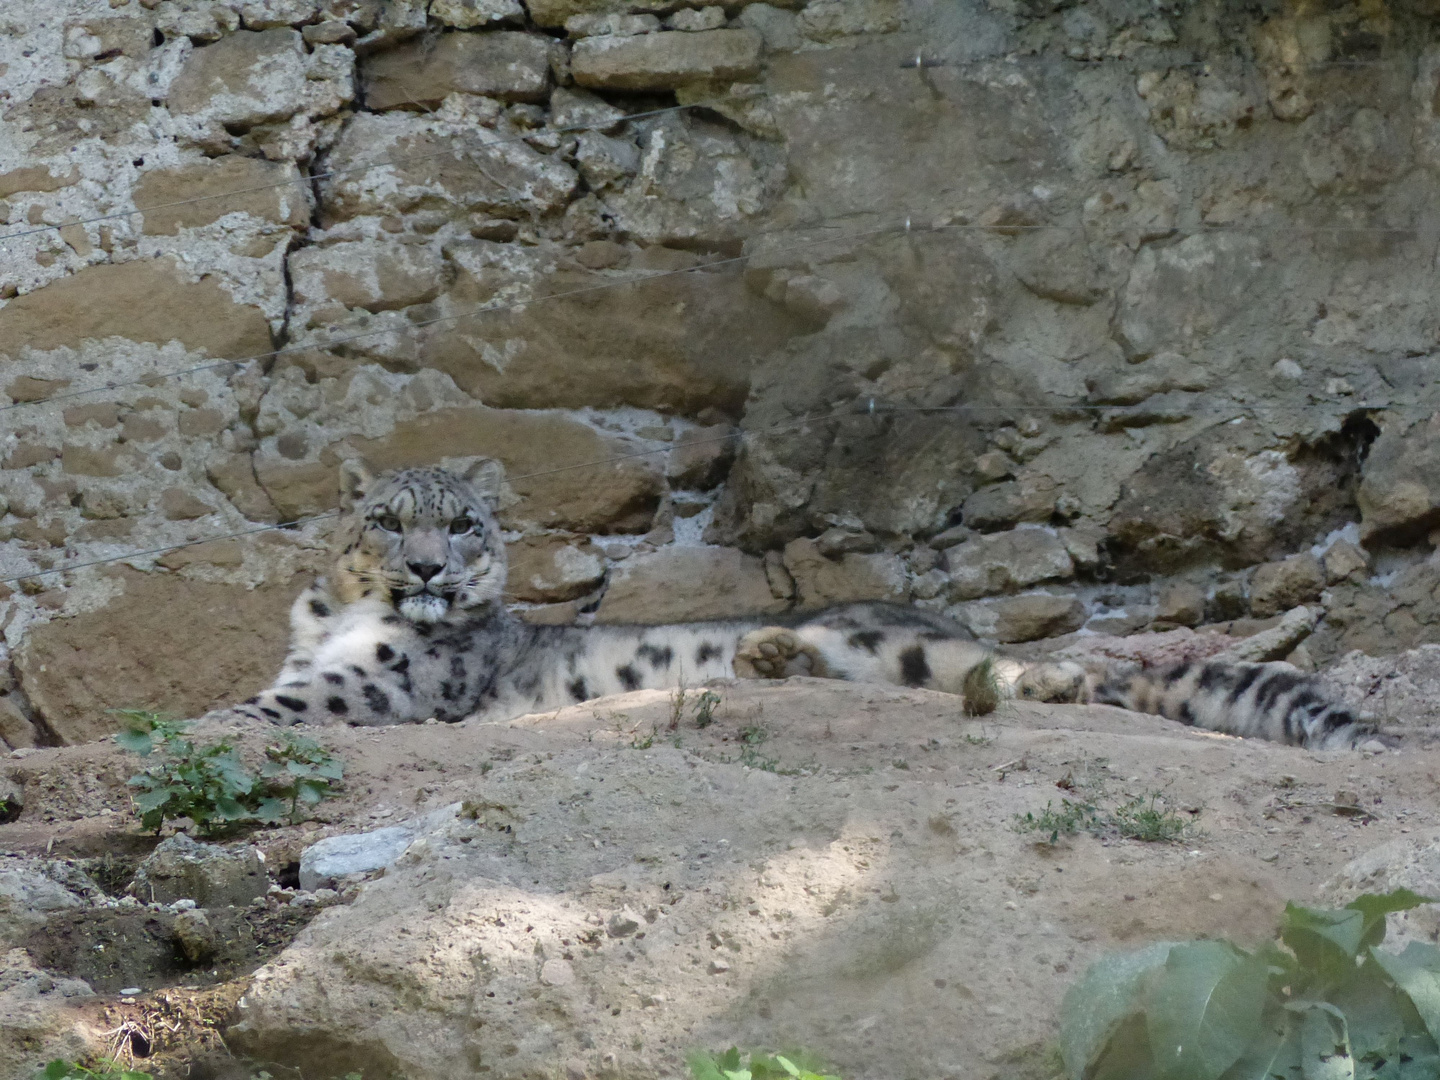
(1260, 701)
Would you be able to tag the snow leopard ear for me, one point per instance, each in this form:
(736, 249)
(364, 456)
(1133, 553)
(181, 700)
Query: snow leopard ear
(355, 481)
(486, 476)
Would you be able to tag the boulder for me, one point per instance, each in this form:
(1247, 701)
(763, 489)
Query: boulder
(210, 874)
(376, 275)
(190, 196)
(144, 300)
(31, 891)
(681, 584)
(553, 567)
(1027, 617)
(178, 646)
(468, 14)
(826, 20)
(195, 935)
(1280, 586)
(1399, 497)
(821, 581)
(1181, 603)
(323, 864)
(1003, 562)
(666, 60)
(508, 65)
(458, 166)
(1343, 560)
(1003, 506)
(38, 1017)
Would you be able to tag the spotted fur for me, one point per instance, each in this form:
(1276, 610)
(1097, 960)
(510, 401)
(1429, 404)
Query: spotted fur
(1272, 701)
(411, 624)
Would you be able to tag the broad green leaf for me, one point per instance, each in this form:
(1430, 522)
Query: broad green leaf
(1377, 1015)
(138, 742)
(1324, 1042)
(56, 1070)
(230, 809)
(311, 792)
(152, 800)
(703, 1066)
(1126, 1055)
(1376, 906)
(331, 770)
(1416, 971)
(1205, 1008)
(1275, 1052)
(271, 810)
(1325, 940)
(297, 768)
(1094, 1007)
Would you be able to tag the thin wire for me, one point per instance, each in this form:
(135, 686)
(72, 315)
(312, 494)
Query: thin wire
(303, 179)
(810, 418)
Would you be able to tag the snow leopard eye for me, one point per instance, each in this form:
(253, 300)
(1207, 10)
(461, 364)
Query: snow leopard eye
(388, 522)
(461, 525)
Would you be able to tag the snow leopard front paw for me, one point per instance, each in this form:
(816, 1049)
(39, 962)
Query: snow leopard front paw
(773, 652)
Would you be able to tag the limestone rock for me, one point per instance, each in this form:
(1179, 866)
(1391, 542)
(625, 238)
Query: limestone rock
(438, 164)
(509, 65)
(678, 343)
(679, 584)
(253, 76)
(468, 14)
(1342, 560)
(610, 25)
(210, 874)
(268, 191)
(571, 107)
(1180, 604)
(699, 457)
(377, 275)
(826, 20)
(821, 582)
(1002, 506)
(180, 647)
(1027, 617)
(196, 936)
(38, 1017)
(144, 300)
(17, 728)
(1280, 586)
(1200, 285)
(324, 863)
(775, 26)
(1399, 498)
(1275, 642)
(1002, 562)
(666, 60)
(553, 567)
(30, 892)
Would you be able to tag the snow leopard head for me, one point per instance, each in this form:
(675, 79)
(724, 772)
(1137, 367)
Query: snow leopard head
(425, 540)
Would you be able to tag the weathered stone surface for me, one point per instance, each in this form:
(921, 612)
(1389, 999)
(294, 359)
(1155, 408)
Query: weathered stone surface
(1002, 562)
(38, 1016)
(210, 874)
(1399, 498)
(1002, 506)
(196, 936)
(553, 567)
(665, 60)
(678, 584)
(1027, 617)
(145, 300)
(31, 890)
(1342, 560)
(1180, 604)
(456, 166)
(35, 178)
(826, 20)
(189, 196)
(253, 76)
(509, 65)
(468, 14)
(700, 456)
(179, 647)
(1280, 586)
(820, 581)
(16, 726)
(619, 496)
(556, 13)
(377, 275)
(680, 343)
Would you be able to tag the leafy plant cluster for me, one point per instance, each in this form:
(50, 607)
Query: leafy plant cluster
(211, 786)
(1324, 1003)
(1144, 817)
(792, 1065)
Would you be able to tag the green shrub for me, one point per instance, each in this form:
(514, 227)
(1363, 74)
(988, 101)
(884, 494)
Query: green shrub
(793, 1065)
(1322, 1004)
(210, 784)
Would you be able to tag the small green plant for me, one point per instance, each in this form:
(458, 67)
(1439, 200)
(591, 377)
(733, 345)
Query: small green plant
(297, 770)
(642, 742)
(1324, 1003)
(210, 784)
(705, 708)
(69, 1070)
(203, 783)
(792, 1065)
(1142, 818)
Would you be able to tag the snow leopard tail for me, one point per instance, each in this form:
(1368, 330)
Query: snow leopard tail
(1271, 701)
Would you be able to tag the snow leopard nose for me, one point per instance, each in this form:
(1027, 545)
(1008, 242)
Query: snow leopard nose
(424, 570)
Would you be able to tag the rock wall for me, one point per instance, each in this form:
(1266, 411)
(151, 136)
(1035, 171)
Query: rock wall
(1108, 315)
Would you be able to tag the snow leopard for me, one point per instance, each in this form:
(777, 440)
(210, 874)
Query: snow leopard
(411, 623)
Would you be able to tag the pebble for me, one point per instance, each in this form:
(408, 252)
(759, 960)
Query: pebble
(130, 991)
(718, 967)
